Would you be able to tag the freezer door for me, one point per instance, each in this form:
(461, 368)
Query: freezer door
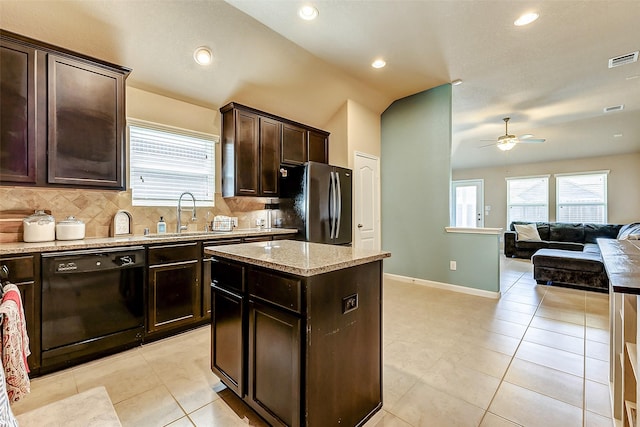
(318, 201)
(343, 209)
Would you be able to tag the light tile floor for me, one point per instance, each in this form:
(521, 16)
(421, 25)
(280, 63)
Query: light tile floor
(538, 356)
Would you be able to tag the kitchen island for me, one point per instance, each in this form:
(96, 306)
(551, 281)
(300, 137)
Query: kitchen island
(297, 330)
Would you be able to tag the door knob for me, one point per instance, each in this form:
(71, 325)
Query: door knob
(359, 225)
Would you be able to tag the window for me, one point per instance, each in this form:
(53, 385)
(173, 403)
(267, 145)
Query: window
(582, 197)
(528, 199)
(165, 162)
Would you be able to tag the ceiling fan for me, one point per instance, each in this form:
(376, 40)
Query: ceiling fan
(506, 142)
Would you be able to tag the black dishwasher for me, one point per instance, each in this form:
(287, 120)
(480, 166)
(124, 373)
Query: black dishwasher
(92, 304)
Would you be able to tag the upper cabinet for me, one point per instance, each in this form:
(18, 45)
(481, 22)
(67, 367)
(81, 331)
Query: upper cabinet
(62, 116)
(255, 144)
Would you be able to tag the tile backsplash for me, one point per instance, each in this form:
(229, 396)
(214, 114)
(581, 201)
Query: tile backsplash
(97, 207)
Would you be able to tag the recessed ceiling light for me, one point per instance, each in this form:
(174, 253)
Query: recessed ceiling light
(203, 55)
(456, 82)
(526, 19)
(308, 12)
(378, 63)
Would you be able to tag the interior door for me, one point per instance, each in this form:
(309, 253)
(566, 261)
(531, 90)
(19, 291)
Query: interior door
(366, 201)
(467, 203)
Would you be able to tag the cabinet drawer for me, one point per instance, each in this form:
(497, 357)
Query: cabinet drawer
(20, 268)
(227, 275)
(283, 291)
(173, 253)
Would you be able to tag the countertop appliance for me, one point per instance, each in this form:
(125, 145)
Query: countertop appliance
(92, 304)
(315, 198)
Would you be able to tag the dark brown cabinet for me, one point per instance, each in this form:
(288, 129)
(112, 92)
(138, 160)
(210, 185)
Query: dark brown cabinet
(294, 144)
(255, 143)
(24, 271)
(300, 350)
(86, 124)
(206, 275)
(173, 297)
(17, 112)
(62, 117)
(318, 146)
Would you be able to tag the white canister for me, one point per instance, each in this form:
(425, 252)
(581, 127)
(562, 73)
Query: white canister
(70, 229)
(39, 227)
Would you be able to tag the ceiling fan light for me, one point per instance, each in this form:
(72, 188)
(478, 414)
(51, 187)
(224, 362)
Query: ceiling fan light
(308, 12)
(526, 19)
(506, 145)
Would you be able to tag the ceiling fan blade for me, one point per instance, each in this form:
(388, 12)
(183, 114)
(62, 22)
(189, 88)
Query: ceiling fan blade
(488, 145)
(531, 140)
(494, 140)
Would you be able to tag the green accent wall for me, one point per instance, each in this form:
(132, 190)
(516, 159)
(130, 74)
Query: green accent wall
(415, 186)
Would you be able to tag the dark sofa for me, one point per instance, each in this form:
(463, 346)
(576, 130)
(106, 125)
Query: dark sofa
(566, 254)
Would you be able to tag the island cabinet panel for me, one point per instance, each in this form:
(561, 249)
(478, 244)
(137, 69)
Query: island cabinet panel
(313, 343)
(86, 124)
(274, 361)
(17, 113)
(173, 287)
(24, 272)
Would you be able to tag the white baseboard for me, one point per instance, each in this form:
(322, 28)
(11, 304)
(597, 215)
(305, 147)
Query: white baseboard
(445, 286)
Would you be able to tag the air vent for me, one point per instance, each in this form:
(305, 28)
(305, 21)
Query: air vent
(623, 59)
(613, 108)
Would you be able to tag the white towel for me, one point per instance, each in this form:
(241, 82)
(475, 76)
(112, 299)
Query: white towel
(15, 344)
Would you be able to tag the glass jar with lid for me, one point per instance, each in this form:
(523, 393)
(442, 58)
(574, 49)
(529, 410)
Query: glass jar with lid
(39, 227)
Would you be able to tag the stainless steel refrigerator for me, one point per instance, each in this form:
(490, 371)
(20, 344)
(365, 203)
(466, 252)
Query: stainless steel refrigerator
(316, 199)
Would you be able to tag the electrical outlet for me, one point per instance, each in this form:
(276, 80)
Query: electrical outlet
(349, 303)
(452, 265)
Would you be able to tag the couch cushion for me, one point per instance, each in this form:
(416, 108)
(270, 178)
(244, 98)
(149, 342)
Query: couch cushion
(531, 244)
(566, 232)
(527, 232)
(591, 248)
(595, 231)
(543, 228)
(569, 246)
(568, 260)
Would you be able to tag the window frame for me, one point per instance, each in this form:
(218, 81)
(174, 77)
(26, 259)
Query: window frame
(509, 204)
(175, 131)
(604, 173)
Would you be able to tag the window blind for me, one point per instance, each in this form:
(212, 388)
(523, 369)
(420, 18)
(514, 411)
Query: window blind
(582, 198)
(528, 199)
(165, 162)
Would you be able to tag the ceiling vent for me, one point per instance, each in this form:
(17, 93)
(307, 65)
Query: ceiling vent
(613, 108)
(629, 58)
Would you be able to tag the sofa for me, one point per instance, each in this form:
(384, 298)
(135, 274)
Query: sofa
(563, 254)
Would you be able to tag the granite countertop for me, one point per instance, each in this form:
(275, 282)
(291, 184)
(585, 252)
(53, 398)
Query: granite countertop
(108, 242)
(622, 262)
(295, 257)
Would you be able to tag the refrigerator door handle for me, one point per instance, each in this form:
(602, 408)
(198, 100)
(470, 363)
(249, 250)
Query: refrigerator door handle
(339, 206)
(332, 210)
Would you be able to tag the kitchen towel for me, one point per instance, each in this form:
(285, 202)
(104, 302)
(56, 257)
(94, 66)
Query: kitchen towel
(15, 344)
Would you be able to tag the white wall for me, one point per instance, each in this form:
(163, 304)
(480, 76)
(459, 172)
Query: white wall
(623, 180)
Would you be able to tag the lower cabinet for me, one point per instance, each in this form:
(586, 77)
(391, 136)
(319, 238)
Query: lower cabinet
(24, 272)
(173, 286)
(300, 351)
(206, 275)
(274, 364)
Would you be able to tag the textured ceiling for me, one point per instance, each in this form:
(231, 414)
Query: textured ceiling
(551, 77)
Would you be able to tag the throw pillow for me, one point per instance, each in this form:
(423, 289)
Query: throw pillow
(628, 230)
(527, 232)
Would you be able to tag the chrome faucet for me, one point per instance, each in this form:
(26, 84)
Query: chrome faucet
(179, 226)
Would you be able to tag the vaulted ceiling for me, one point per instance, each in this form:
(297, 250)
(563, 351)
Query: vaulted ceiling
(550, 77)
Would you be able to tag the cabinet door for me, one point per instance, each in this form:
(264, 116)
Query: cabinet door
(270, 136)
(247, 155)
(227, 339)
(274, 364)
(173, 295)
(86, 124)
(206, 275)
(294, 144)
(17, 113)
(318, 147)
(24, 271)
